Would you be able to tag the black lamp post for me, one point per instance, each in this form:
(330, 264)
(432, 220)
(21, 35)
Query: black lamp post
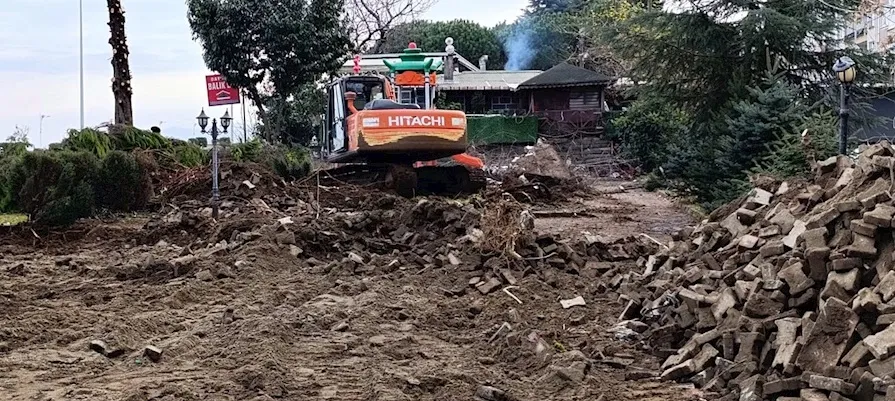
(845, 71)
(225, 123)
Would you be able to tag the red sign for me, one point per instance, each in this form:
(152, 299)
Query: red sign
(219, 93)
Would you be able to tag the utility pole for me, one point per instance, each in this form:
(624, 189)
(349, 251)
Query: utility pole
(40, 130)
(81, 17)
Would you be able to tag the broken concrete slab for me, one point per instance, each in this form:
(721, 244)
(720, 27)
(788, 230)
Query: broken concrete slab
(791, 239)
(828, 339)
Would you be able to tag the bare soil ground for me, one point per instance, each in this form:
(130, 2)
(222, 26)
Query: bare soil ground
(614, 213)
(247, 320)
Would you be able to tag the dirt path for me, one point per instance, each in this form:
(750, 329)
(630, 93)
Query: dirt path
(615, 214)
(271, 326)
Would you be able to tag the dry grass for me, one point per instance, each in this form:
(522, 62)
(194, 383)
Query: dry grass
(12, 219)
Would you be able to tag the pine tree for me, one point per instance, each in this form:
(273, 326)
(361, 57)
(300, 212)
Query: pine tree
(714, 61)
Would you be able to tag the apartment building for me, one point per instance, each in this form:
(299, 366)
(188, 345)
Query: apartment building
(873, 32)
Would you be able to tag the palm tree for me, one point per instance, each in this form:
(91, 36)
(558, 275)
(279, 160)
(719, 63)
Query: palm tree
(121, 72)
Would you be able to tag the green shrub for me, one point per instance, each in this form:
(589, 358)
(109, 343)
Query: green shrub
(134, 138)
(646, 128)
(190, 155)
(291, 163)
(200, 141)
(57, 188)
(119, 186)
(251, 151)
(787, 156)
(88, 140)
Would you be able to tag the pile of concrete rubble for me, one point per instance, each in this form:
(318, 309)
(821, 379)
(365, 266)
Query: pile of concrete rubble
(789, 296)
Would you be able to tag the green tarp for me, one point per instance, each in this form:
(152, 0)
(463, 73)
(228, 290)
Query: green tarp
(498, 129)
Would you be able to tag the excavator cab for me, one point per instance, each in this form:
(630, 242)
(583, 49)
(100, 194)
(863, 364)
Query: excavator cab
(392, 123)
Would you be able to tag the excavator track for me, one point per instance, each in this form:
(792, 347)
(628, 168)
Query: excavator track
(407, 181)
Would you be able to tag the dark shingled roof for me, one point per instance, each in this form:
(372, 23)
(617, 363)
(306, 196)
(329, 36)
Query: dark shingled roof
(566, 75)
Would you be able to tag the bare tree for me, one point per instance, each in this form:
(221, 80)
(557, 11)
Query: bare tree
(121, 72)
(372, 20)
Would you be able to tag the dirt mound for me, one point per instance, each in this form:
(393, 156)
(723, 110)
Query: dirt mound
(316, 292)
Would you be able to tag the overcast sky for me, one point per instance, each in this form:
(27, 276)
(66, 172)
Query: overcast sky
(39, 63)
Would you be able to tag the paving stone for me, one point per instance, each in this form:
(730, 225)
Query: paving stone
(857, 356)
(817, 263)
(746, 216)
(866, 301)
(726, 301)
(749, 242)
(782, 385)
(846, 264)
(807, 296)
(886, 286)
(769, 231)
(787, 347)
(880, 216)
(828, 339)
(875, 194)
(815, 238)
(728, 346)
(834, 290)
(489, 286)
(839, 397)
(885, 320)
(760, 305)
(795, 278)
(850, 205)
(848, 280)
(761, 197)
(882, 344)
(863, 228)
(791, 239)
(679, 371)
(772, 248)
(784, 219)
(883, 368)
(810, 394)
(706, 355)
(823, 219)
(747, 347)
(831, 384)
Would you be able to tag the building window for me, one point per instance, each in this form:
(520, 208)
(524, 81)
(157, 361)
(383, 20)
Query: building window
(588, 99)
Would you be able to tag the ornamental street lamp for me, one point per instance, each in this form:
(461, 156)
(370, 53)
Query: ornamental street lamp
(225, 123)
(845, 70)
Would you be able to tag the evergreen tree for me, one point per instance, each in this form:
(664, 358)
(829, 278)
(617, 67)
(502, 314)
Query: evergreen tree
(714, 61)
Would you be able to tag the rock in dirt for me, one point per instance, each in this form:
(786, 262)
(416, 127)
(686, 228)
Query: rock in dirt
(488, 393)
(99, 347)
(569, 303)
(489, 286)
(153, 353)
(205, 275)
(104, 349)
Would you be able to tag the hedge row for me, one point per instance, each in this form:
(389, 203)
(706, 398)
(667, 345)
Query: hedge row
(59, 187)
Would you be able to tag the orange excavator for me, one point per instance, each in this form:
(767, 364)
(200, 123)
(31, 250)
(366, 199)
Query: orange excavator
(388, 126)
